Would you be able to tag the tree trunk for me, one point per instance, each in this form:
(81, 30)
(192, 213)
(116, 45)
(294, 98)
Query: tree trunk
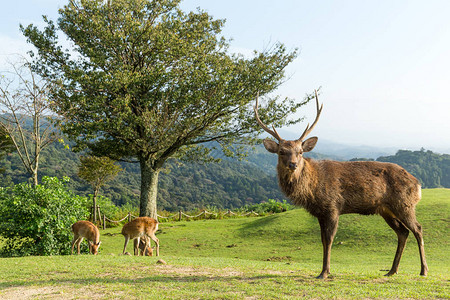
(34, 168)
(149, 189)
(94, 203)
(34, 177)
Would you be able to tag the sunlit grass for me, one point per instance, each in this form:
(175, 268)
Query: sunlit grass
(271, 257)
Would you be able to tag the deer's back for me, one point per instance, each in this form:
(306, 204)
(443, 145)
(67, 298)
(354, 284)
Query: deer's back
(87, 230)
(139, 227)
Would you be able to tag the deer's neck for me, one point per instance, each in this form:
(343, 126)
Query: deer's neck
(299, 185)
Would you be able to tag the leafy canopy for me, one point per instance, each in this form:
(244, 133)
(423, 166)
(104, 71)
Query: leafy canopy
(147, 80)
(97, 170)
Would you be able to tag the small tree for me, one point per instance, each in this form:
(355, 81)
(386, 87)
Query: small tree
(25, 117)
(97, 171)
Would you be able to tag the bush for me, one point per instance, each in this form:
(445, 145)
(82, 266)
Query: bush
(112, 212)
(271, 206)
(37, 220)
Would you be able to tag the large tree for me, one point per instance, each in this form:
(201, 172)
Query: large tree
(144, 81)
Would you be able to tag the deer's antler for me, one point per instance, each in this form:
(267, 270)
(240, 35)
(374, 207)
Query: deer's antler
(273, 132)
(308, 128)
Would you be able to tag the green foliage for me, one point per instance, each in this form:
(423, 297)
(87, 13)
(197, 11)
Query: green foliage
(37, 220)
(271, 206)
(97, 170)
(228, 184)
(112, 211)
(149, 82)
(432, 169)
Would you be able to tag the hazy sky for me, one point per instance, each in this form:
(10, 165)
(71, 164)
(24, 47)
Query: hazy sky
(384, 66)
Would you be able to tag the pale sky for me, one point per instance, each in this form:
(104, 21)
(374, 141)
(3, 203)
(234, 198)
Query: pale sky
(383, 65)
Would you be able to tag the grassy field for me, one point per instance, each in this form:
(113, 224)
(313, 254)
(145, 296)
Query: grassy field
(273, 257)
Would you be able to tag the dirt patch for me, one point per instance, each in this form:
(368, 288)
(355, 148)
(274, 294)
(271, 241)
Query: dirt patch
(196, 271)
(33, 293)
(48, 292)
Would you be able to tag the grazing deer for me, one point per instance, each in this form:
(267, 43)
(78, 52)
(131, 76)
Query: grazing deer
(144, 247)
(87, 230)
(142, 227)
(328, 189)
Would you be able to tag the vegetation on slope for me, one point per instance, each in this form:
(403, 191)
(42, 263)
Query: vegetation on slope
(187, 186)
(432, 169)
(227, 184)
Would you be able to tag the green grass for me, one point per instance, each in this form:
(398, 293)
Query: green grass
(256, 258)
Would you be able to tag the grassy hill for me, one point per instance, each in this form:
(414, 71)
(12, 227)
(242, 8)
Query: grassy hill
(269, 257)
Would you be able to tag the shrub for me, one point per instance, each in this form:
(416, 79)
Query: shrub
(271, 206)
(113, 212)
(37, 220)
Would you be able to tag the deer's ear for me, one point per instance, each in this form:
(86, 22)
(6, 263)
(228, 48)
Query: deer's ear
(271, 146)
(309, 144)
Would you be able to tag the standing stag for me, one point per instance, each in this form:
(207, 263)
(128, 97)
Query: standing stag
(328, 189)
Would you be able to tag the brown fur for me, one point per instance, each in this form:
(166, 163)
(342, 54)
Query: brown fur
(139, 228)
(142, 244)
(87, 230)
(328, 189)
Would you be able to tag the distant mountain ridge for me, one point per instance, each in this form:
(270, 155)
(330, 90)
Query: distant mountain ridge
(340, 151)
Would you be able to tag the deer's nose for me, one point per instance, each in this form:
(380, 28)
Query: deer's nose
(292, 165)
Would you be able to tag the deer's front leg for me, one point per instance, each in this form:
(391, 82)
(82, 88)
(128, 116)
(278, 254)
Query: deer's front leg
(328, 227)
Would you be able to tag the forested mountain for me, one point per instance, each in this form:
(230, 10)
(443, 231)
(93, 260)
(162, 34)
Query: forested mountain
(228, 184)
(432, 169)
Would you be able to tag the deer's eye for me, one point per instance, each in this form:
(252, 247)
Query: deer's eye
(283, 152)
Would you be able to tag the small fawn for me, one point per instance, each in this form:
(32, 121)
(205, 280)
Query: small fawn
(142, 227)
(142, 244)
(87, 230)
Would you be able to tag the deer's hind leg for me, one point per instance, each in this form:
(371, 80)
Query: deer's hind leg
(402, 235)
(408, 218)
(127, 238)
(156, 240)
(74, 240)
(136, 245)
(78, 242)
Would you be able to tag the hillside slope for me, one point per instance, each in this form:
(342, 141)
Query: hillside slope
(228, 184)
